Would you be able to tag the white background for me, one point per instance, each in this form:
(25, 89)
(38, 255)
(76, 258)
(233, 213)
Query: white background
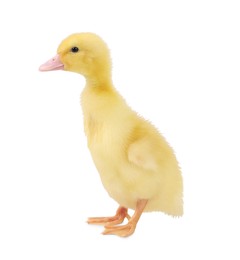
(177, 63)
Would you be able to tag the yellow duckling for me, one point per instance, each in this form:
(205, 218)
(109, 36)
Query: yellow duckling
(137, 166)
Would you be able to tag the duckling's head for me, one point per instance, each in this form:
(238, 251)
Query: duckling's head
(84, 53)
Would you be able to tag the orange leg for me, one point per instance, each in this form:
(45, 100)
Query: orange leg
(121, 214)
(129, 228)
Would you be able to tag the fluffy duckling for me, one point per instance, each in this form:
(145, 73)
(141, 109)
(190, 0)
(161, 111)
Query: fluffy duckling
(137, 166)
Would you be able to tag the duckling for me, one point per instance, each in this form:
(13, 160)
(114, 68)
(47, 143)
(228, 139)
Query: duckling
(137, 166)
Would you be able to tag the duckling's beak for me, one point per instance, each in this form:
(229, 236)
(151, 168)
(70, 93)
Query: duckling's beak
(52, 64)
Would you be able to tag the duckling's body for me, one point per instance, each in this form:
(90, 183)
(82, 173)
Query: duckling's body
(133, 159)
(136, 165)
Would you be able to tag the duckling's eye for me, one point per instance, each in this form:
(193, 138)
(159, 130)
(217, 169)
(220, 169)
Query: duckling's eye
(74, 49)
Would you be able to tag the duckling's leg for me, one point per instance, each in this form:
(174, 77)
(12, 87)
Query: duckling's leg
(129, 228)
(121, 214)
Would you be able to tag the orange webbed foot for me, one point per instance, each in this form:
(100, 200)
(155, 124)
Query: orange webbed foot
(111, 223)
(122, 231)
(121, 214)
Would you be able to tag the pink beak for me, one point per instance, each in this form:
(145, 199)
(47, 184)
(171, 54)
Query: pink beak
(52, 64)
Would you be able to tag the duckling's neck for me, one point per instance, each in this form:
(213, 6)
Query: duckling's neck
(99, 84)
(99, 97)
(98, 100)
(99, 81)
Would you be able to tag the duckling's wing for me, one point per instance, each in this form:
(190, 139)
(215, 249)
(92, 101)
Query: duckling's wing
(143, 154)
